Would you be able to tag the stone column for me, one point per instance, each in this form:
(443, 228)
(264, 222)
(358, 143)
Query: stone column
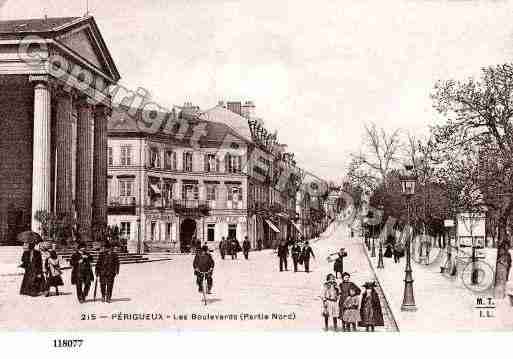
(64, 137)
(41, 149)
(101, 116)
(84, 165)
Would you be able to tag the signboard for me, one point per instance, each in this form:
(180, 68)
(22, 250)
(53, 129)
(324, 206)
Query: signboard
(471, 224)
(449, 223)
(222, 219)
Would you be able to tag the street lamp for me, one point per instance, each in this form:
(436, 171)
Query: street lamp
(408, 181)
(380, 253)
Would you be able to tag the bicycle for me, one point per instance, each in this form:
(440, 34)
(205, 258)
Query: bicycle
(204, 285)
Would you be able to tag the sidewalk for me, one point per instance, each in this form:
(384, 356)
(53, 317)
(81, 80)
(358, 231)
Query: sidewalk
(443, 303)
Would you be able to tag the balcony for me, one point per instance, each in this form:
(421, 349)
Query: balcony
(191, 207)
(121, 205)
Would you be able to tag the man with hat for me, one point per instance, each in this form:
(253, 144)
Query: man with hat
(203, 265)
(338, 266)
(106, 269)
(370, 308)
(296, 253)
(307, 252)
(82, 273)
(345, 286)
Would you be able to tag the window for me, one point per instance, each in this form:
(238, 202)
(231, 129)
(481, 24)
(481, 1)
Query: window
(168, 192)
(125, 188)
(125, 230)
(211, 230)
(211, 163)
(126, 155)
(110, 156)
(153, 229)
(187, 161)
(168, 231)
(154, 157)
(233, 163)
(211, 193)
(234, 194)
(170, 160)
(190, 191)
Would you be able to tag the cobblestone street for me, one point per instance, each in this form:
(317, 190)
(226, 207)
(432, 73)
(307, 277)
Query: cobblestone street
(255, 287)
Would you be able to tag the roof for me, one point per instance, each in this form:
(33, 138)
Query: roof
(123, 124)
(35, 25)
(53, 28)
(231, 119)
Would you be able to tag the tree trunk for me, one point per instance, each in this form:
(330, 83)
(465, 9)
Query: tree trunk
(503, 263)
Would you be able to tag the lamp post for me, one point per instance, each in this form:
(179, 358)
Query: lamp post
(408, 181)
(138, 236)
(373, 250)
(380, 253)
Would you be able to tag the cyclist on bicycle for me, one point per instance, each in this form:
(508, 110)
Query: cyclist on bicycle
(203, 265)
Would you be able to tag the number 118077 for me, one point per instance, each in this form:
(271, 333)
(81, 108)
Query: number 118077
(68, 343)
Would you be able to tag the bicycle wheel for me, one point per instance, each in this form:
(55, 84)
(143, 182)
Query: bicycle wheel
(204, 289)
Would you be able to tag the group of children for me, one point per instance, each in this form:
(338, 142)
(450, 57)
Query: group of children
(341, 301)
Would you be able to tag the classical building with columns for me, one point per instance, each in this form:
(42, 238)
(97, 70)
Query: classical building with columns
(55, 75)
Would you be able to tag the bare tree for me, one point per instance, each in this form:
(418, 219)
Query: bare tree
(479, 118)
(377, 157)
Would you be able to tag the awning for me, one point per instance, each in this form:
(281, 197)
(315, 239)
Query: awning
(273, 227)
(298, 229)
(155, 188)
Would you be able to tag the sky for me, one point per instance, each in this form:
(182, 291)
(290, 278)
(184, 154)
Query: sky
(316, 70)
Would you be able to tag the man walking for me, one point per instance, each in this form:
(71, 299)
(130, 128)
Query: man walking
(82, 273)
(283, 253)
(296, 253)
(235, 247)
(246, 246)
(307, 251)
(106, 270)
(222, 247)
(203, 265)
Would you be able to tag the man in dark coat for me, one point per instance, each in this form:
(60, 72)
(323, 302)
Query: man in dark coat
(370, 308)
(82, 273)
(235, 247)
(296, 253)
(222, 247)
(338, 266)
(246, 246)
(345, 286)
(32, 262)
(306, 253)
(283, 253)
(203, 265)
(106, 269)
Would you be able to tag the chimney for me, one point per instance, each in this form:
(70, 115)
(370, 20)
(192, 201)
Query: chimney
(234, 107)
(248, 110)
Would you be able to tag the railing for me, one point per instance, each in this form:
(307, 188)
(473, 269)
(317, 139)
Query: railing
(190, 203)
(121, 201)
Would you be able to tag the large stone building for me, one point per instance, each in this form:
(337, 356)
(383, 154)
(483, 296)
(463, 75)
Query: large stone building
(54, 105)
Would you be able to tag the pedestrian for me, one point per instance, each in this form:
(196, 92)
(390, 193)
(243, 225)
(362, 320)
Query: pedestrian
(223, 247)
(338, 266)
(203, 265)
(329, 296)
(82, 273)
(235, 247)
(283, 253)
(32, 278)
(345, 286)
(54, 271)
(370, 308)
(45, 254)
(296, 253)
(246, 246)
(351, 316)
(107, 269)
(306, 253)
(259, 244)
(398, 251)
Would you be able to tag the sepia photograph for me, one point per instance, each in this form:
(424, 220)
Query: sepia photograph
(237, 166)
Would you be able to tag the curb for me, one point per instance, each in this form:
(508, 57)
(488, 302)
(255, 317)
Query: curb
(385, 294)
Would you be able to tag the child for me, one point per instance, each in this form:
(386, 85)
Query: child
(329, 298)
(370, 309)
(338, 266)
(53, 268)
(351, 314)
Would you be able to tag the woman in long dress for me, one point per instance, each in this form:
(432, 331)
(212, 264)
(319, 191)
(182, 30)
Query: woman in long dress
(370, 309)
(329, 296)
(33, 278)
(351, 315)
